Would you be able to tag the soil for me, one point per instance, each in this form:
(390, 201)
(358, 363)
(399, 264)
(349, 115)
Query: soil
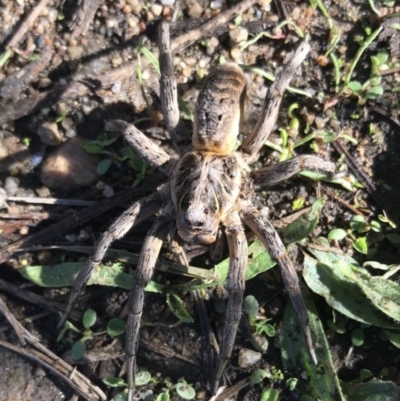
(174, 351)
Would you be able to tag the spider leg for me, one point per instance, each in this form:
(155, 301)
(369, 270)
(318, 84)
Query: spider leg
(145, 268)
(143, 146)
(169, 91)
(269, 114)
(138, 212)
(264, 230)
(279, 172)
(237, 243)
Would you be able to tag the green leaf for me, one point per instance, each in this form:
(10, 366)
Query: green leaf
(360, 245)
(270, 394)
(357, 337)
(337, 234)
(259, 261)
(89, 318)
(120, 397)
(251, 306)
(394, 238)
(375, 390)
(322, 379)
(258, 376)
(394, 337)
(357, 223)
(163, 397)
(91, 147)
(103, 166)
(178, 308)
(78, 350)
(334, 277)
(291, 383)
(374, 92)
(114, 381)
(142, 378)
(186, 391)
(355, 87)
(115, 327)
(64, 275)
(303, 226)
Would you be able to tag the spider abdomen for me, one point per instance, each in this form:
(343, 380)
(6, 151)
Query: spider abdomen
(219, 109)
(204, 187)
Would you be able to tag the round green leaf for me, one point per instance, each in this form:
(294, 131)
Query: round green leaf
(114, 381)
(258, 376)
(103, 166)
(291, 383)
(115, 327)
(374, 92)
(269, 395)
(357, 337)
(78, 350)
(186, 391)
(163, 397)
(121, 397)
(142, 378)
(251, 306)
(360, 245)
(89, 318)
(337, 234)
(394, 238)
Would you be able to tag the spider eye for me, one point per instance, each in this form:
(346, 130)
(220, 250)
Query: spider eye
(205, 211)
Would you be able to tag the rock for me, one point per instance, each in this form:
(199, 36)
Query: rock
(248, 357)
(156, 9)
(11, 185)
(168, 3)
(69, 167)
(238, 34)
(194, 9)
(49, 134)
(16, 156)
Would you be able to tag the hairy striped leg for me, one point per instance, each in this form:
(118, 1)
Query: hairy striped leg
(144, 272)
(138, 212)
(237, 243)
(264, 230)
(269, 114)
(169, 91)
(281, 171)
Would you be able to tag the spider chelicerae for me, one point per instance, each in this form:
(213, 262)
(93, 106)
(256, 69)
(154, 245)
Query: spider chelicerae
(210, 187)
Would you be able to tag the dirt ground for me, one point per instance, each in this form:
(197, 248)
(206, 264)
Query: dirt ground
(80, 82)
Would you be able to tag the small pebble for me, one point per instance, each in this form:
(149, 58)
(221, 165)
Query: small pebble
(194, 9)
(24, 230)
(83, 236)
(49, 133)
(116, 88)
(75, 52)
(239, 34)
(248, 357)
(108, 191)
(11, 185)
(71, 238)
(216, 5)
(168, 3)
(156, 9)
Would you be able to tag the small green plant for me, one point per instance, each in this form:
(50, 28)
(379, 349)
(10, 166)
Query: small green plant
(363, 234)
(372, 88)
(258, 323)
(126, 153)
(142, 378)
(115, 327)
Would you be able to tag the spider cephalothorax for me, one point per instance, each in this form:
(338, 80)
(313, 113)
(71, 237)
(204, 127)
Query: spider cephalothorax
(204, 187)
(208, 190)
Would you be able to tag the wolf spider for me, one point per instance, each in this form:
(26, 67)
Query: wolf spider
(209, 187)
